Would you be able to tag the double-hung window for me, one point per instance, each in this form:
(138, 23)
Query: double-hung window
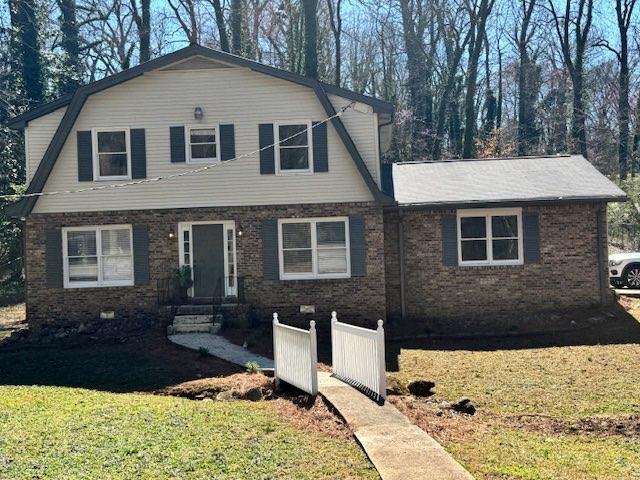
(97, 256)
(293, 152)
(112, 154)
(490, 236)
(203, 144)
(314, 248)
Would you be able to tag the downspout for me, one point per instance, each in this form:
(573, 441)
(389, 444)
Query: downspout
(601, 244)
(403, 306)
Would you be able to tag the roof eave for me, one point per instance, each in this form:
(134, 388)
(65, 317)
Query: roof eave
(548, 201)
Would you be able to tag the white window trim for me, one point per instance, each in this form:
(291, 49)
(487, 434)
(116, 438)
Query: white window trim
(96, 162)
(314, 249)
(187, 142)
(488, 213)
(100, 283)
(276, 135)
(226, 225)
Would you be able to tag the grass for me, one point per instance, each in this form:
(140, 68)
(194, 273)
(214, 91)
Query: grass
(551, 410)
(10, 317)
(83, 412)
(57, 432)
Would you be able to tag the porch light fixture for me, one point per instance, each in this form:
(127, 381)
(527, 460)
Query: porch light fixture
(198, 113)
(239, 230)
(171, 234)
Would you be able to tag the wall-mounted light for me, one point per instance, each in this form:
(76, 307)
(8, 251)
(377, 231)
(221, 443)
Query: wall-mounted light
(198, 113)
(171, 234)
(239, 229)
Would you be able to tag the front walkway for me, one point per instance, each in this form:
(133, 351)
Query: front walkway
(399, 449)
(222, 348)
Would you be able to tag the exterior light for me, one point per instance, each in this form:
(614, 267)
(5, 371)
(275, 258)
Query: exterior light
(198, 113)
(239, 230)
(171, 235)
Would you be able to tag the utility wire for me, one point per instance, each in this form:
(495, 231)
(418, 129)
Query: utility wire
(15, 196)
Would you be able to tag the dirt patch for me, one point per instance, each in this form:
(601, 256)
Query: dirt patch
(440, 422)
(627, 426)
(239, 383)
(13, 317)
(313, 414)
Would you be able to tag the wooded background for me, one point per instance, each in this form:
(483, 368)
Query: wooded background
(469, 78)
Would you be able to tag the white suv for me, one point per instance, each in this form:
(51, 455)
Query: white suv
(624, 270)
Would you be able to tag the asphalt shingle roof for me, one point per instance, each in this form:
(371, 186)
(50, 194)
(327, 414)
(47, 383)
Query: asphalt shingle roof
(526, 179)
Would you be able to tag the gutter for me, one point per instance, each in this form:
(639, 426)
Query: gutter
(401, 256)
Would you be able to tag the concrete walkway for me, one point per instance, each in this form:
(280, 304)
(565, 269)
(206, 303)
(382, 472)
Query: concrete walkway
(398, 449)
(222, 348)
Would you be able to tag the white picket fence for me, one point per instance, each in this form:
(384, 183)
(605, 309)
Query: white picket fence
(358, 357)
(295, 355)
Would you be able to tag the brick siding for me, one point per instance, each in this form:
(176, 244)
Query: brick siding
(361, 299)
(466, 299)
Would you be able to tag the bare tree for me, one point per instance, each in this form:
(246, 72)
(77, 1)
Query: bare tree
(479, 11)
(142, 18)
(573, 46)
(335, 19)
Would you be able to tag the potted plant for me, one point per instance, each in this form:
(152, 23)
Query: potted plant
(184, 281)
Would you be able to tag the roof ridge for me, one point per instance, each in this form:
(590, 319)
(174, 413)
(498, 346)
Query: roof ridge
(488, 159)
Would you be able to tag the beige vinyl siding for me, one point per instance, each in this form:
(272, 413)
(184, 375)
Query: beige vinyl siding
(38, 134)
(159, 100)
(361, 123)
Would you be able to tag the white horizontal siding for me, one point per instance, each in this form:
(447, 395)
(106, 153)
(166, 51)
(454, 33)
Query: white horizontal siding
(159, 100)
(361, 124)
(41, 132)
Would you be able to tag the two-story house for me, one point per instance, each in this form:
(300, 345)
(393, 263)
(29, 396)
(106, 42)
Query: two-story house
(244, 171)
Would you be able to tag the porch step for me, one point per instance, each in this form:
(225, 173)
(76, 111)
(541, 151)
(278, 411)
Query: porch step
(191, 328)
(194, 310)
(192, 319)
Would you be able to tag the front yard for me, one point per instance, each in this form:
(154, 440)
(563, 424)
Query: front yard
(561, 411)
(103, 411)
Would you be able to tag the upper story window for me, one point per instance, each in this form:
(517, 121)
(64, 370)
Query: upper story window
(490, 236)
(202, 144)
(97, 256)
(314, 248)
(112, 157)
(293, 152)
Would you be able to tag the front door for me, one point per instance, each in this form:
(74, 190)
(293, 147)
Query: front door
(208, 260)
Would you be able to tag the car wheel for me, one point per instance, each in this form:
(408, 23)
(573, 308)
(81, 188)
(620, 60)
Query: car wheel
(632, 276)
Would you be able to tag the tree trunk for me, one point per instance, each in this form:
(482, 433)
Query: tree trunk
(310, 38)
(236, 27)
(222, 30)
(71, 46)
(24, 20)
(336, 29)
(143, 24)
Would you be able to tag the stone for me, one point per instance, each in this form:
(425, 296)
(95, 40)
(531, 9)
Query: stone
(421, 388)
(394, 387)
(226, 396)
(253, 394)
(465, 406)
(82, 328)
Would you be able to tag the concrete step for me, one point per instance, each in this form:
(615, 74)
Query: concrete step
(191, 328)
(195, 310)
(192, 319)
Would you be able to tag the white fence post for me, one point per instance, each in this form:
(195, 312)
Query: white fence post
(358, 357)
(314, 357)
(382, 372)
(275, 350)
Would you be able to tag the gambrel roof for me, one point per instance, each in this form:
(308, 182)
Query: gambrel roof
(75, 102)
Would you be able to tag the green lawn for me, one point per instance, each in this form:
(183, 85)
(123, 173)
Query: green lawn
(78, 413)
(557, 388)
(58, 432)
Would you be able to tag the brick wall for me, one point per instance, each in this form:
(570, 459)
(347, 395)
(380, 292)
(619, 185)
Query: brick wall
(359, 298)
(460, 299)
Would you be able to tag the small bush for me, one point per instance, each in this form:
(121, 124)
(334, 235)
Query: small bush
(204, 352)
(252, 367)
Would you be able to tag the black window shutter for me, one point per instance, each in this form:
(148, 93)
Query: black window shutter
(270, 262)
(176, 135)
(449, 240)
(320, 153)
(358, 246)
(53, 257)
(85, 156)
(141, 254)
(267, 156)
(531, 237)
(138, 153)
(227, 142)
